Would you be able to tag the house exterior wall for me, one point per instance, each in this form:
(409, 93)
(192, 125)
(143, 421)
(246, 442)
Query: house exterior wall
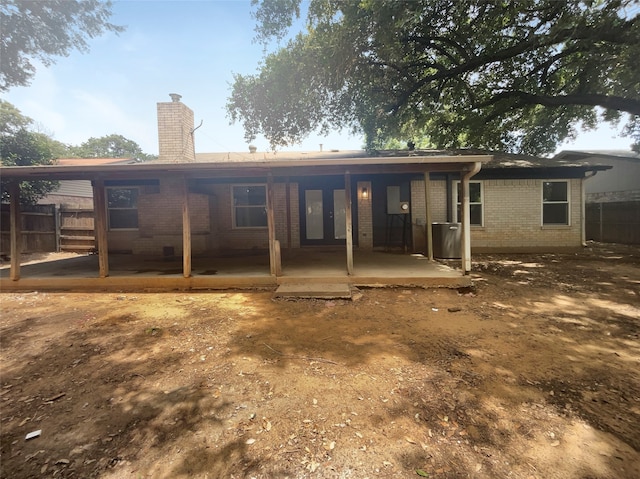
(365, 217)
(212, 230)
(284, 220)
(295, 215)
(224, 236)
(160, 221)
(390, 230)
(438, 199)
(228, 237)
(211, 216)
(512, 216)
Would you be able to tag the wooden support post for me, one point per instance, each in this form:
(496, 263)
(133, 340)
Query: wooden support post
(100, 226)
(349, 221)
(428, 220)
(583, 212)
(274, 258)
(288, 205)
(600, 223)
(186, 230)
(57, 224)
(16, 230)
(277, 256)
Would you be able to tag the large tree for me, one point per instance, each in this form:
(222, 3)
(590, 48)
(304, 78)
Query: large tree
(110, 146)
(517, 75)
(45, 29)
(20, 146)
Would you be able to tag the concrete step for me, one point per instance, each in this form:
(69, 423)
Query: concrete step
(314, 290)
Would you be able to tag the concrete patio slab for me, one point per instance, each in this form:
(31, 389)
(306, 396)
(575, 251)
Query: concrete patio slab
(313, 290)
(235, 271)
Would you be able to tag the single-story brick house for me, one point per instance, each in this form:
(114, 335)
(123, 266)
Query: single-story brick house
(197, 205)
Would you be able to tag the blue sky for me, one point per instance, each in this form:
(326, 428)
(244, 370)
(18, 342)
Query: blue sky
(186, 47)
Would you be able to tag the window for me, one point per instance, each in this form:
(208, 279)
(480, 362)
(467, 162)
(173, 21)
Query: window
(122, 208)
(249, 206)
(555, 203)
(475, 202)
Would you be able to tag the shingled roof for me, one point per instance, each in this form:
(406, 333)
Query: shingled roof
(500, 159)
(583, 155)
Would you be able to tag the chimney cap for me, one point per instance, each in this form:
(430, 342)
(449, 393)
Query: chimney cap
(175, 97)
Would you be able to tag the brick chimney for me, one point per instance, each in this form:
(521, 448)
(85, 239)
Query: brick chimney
(175, 131)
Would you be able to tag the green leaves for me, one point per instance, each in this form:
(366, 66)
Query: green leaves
(44, 30)
(110, 146)
(517, 77)
(21, 147)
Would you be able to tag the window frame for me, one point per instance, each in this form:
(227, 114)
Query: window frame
(235, 207)
(457, 203)
(110, 227)
(543, 203)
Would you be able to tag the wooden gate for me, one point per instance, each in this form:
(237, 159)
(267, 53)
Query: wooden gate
(77, 232)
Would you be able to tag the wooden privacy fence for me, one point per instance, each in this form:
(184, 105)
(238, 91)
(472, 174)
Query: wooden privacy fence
(613, 222)
(77, 232)
(38, 226)
(46, 228)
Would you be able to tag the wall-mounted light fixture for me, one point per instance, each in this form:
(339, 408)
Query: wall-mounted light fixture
(365, 193)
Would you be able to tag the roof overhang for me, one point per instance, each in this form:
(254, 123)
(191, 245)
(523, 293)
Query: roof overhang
(582, 155)
(550, 172)
(311, 167)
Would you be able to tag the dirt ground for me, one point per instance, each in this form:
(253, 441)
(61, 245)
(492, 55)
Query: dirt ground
(535, 373)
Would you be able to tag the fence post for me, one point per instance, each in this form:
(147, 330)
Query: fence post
(56, 225)
(600, 237)
(15, 221)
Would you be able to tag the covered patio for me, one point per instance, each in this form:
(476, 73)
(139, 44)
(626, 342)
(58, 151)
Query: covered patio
(187, 204)
(237, 271)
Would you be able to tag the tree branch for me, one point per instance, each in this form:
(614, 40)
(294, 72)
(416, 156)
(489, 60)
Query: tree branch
(610, 102)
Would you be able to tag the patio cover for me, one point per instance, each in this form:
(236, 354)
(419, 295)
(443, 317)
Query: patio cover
(269, 166)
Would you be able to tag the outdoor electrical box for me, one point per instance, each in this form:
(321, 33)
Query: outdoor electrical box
(394, 205)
